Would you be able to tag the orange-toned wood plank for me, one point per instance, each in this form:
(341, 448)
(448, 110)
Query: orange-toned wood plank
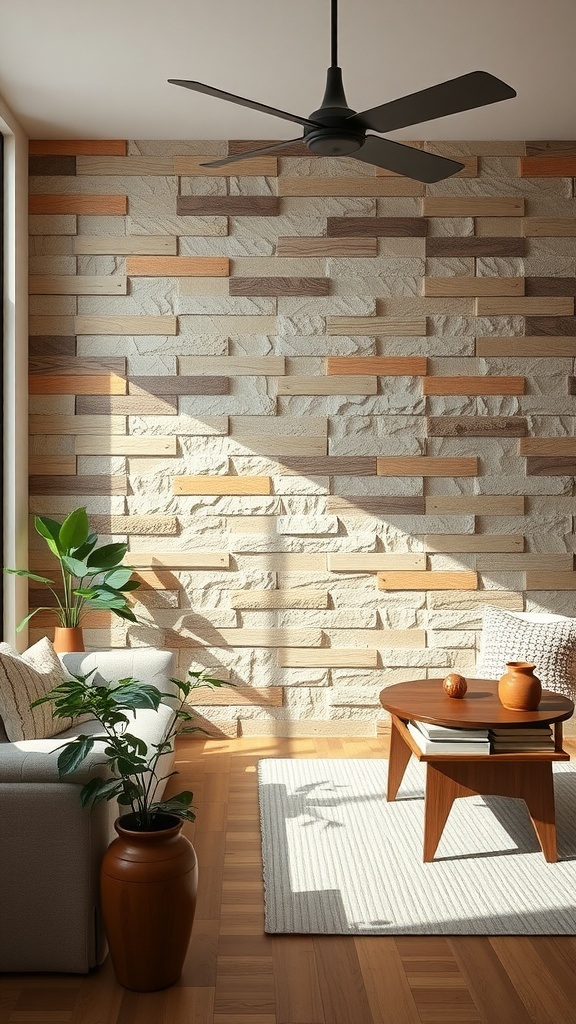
(177, 266)
(96, 205)
(474, 385)
(548, 166)
(78, 147)
(222, 485)
(105, 384)
(385, 366)
(427, 580)
(551, 446)
(425, 465)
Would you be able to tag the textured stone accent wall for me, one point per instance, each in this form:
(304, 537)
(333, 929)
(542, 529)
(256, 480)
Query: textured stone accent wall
(330, 409)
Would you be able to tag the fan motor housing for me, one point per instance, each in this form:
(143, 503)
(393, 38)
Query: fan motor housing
(336, 137)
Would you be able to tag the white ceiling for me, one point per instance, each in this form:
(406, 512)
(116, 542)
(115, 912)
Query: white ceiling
(98, 68)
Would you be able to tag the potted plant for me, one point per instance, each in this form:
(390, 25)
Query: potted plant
(92, 577)
(149, 874)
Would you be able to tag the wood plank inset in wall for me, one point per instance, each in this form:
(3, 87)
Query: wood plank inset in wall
(326, 407)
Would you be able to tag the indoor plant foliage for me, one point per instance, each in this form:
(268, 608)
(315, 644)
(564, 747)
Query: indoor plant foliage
(92, 576)
(132, 777)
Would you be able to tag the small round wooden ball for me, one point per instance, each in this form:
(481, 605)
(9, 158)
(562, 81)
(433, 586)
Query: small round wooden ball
(455, 685)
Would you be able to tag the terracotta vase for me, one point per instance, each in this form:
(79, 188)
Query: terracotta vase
(68, 638)
(149, 882)
(519, 689)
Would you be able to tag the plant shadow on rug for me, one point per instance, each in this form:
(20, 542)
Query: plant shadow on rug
(338, 859)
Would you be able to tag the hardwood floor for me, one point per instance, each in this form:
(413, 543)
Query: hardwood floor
(235, 974)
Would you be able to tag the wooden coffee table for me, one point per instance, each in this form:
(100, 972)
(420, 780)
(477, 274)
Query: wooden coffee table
(448, 776)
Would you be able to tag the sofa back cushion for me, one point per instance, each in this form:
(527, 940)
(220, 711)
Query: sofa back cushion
(23, 679)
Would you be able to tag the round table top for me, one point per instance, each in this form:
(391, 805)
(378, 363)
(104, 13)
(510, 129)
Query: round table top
(426, 701)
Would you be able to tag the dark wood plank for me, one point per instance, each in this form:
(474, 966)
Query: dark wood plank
(127, 405)
(52, 345)
(228, 206)
(279, 285)
(173, 384)
(550, 285)
(236, 146)
(385, 981)
(487, 981)
(366, 505)
(329, 465)
(83, 365)
(78, 485)
(558, 465)
(477, 426)
(293, 959)
(51, 165)
(540, 326)
(384, 227)
(475, 246)
(572, 385)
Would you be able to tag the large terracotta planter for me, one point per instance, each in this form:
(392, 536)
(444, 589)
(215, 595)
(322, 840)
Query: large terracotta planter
(149, 882)
(519, 689)
(68, 639)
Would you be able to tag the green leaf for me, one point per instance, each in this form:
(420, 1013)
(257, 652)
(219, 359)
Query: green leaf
(85, 549)
(74, 566)
(49, 529)
(74, 530)
(135, 695)
(131, 585)
(116, 578)
(107, 557)
(29, 575)
(74, 753)
(125, 613)
(99, 789)
(21, 625)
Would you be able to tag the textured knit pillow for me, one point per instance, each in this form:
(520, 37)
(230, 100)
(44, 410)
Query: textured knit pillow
(548, 641)
(24, 678)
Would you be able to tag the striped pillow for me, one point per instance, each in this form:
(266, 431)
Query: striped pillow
(24, 678)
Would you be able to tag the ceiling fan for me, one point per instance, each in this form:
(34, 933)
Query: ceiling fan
(337, 130)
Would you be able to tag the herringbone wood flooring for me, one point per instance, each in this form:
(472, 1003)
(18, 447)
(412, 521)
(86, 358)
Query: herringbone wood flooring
(234, 974)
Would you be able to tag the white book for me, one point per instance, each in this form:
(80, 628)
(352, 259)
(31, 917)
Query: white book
(446, 746)
(441, 732)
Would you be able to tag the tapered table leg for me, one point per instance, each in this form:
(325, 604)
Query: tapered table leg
(441, 792)
(398, 760)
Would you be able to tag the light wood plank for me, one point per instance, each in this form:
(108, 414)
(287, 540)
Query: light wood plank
(145, 166)
(177, 266)
(549, 227)
(472, 206)
(328, 657)
(436, 580)
(550, 581)
(526, 306)
(122, 245)
(372, 562)
(93, 384)
(474, 385)
(127, 405)
(267, 637)
(375, 325)
(338, 385)
(71, 285)
(552, 446)
(123, 325)
(426, 465)
(191, 166)
(233, 366)
(461, 542)
(56, 465)
(104, 425)
(320, 246)
(258, 600)
(362, 185)
(179, 559)
(238, 696)
(473, 286)
(331, 465)
(125, 445)
(385, 366)
(528, 560)
(494, 227)
(222, 485)
(476, 505)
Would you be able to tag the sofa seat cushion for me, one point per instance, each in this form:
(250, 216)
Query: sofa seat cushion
(23, 679)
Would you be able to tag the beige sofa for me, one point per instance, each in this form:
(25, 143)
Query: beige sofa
(51, 847)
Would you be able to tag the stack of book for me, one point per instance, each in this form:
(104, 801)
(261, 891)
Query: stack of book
(521, 739)
(442, 739)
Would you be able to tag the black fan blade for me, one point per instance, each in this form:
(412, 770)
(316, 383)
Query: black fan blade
(252, 152)
(413, 163)
(476, 89)
(241, 101)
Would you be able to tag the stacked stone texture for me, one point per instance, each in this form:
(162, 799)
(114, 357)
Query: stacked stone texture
(331, 410)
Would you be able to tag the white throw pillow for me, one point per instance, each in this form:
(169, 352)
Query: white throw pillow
(548, 641)
(23, 679)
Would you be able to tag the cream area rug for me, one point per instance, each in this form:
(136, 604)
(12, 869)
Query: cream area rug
(339, 859)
